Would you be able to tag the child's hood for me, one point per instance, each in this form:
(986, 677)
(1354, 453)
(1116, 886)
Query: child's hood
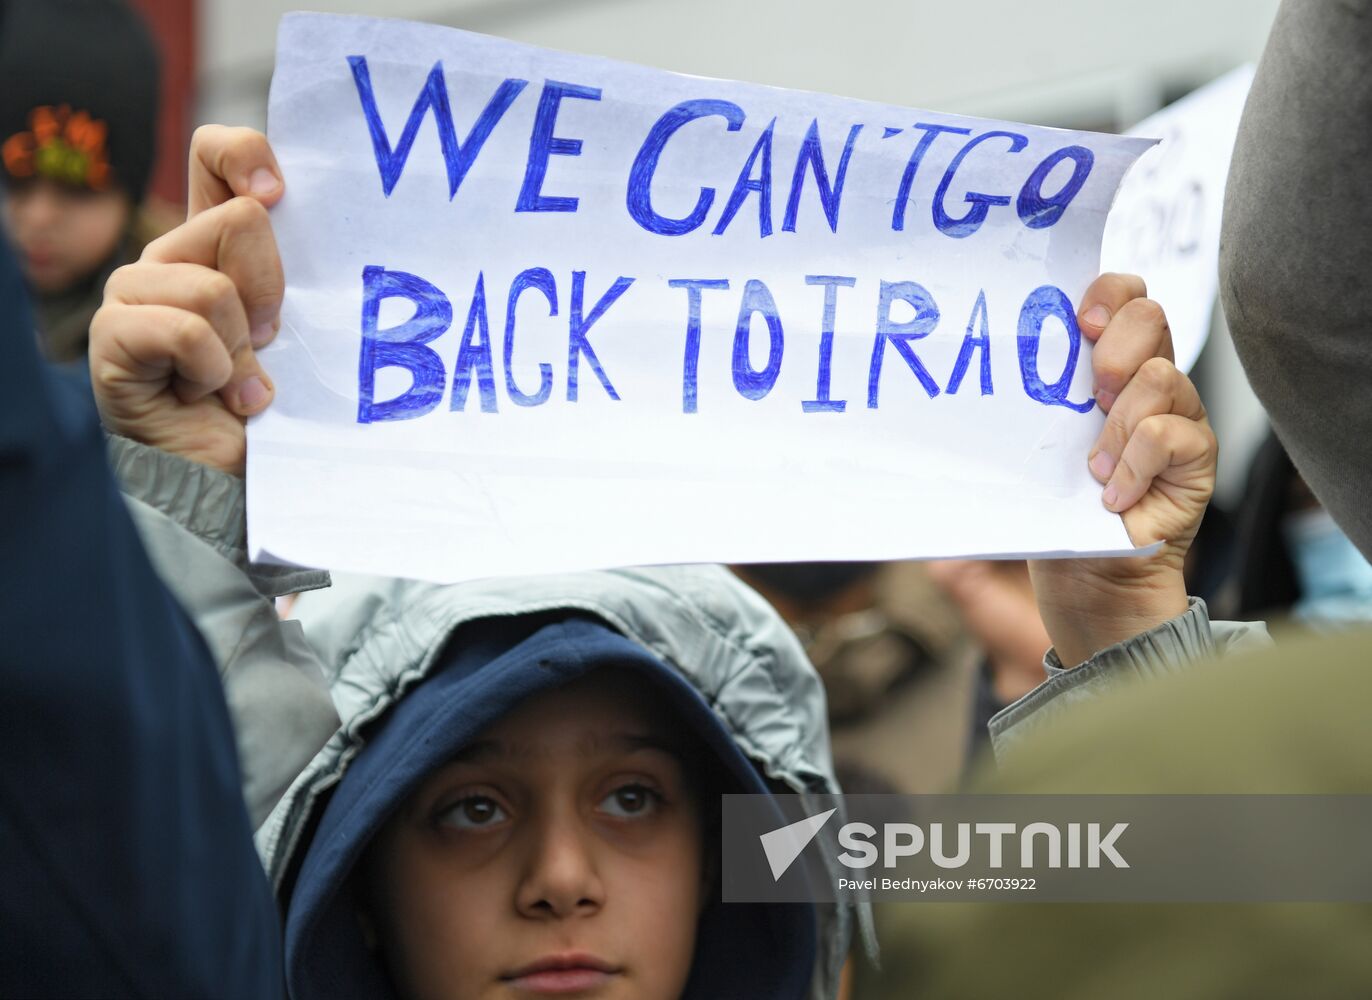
(381, 638)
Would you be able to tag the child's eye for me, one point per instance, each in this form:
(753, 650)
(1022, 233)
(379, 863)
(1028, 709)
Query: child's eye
(475, 812)
(631, 800)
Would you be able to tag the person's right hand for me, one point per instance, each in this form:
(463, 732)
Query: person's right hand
(172, 357)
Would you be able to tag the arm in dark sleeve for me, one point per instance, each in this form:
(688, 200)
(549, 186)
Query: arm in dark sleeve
(1296, 250)
(127, 865)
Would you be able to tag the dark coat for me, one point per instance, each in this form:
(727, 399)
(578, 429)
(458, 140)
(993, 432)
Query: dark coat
(127, 865)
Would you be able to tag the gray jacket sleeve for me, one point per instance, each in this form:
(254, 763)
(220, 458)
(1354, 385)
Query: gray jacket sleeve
(191, 520)
(1169, 648)
(1296, 244)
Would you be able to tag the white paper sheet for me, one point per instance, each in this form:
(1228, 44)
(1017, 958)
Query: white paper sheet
(361, 465)
(1166, 221)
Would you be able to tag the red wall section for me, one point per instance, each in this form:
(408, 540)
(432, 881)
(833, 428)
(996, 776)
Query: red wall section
(173, 22)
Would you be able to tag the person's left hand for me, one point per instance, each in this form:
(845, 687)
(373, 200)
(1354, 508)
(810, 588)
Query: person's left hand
(1155, 459)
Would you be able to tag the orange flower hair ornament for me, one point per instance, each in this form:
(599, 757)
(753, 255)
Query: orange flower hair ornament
(61, 145)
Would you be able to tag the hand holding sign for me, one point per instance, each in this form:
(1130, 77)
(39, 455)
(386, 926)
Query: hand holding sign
(1156, 460)
(172, 348)
(226, 163)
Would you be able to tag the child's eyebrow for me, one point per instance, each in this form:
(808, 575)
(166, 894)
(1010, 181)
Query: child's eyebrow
(480, 750)
(648, 741)
(624, 742)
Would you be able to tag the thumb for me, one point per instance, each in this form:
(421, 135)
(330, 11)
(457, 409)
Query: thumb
(250, 388)
(228, 162)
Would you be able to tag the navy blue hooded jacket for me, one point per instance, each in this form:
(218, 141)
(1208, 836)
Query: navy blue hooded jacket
(758, 952)
(127, 866)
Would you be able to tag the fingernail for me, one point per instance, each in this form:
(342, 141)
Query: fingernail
(262, 334)
(252, 394)
(263, 182)
(1106, 399)
(1102, 464)
(1110, 496)
(1097, 316)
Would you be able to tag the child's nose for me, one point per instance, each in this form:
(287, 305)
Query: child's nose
(562, 878)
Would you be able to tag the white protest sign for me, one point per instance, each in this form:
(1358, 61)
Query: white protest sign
(547, 312)
(1166, 221)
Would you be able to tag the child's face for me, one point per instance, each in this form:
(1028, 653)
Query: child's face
(63, 234)
(560, 855)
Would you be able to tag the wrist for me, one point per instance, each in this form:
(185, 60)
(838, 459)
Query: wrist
(1090, 605)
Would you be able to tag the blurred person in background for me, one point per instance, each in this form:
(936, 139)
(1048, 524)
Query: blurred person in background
(895, 662)
(1294, 562)
(918, 657)
(995, 600)
(78, 114)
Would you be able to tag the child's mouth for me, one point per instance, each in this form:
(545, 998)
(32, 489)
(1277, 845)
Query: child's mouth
(562, 974)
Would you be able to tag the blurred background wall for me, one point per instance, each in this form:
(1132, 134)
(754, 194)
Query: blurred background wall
(1096, 64)
(1079, 63)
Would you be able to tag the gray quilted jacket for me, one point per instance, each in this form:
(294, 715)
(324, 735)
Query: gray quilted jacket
(300, 707)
